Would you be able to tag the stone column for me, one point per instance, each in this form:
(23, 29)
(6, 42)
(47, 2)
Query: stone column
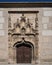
(36, 39)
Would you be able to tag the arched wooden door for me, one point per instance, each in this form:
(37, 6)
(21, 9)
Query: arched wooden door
(23, 53)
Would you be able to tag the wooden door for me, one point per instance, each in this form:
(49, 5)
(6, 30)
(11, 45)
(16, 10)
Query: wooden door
(23, 54)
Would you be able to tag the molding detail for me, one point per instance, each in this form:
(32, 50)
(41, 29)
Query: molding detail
(23, 29)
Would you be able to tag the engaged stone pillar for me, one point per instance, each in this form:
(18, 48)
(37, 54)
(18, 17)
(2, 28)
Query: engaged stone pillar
(36, 39)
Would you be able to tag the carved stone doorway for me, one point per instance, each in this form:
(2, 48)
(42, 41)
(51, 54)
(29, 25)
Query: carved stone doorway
(23, 52)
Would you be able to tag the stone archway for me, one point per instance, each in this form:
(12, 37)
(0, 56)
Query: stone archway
(24, 52)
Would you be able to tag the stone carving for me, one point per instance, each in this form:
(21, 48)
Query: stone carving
(23, 29)
(9, 23)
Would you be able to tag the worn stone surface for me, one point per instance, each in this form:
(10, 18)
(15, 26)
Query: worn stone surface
(45, 41)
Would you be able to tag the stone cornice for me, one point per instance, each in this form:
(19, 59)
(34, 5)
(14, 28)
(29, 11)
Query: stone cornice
(23, 4)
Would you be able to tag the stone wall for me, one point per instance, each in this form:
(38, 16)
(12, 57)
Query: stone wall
(45, 33)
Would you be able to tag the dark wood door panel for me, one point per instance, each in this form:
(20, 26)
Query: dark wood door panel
(23, 54)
